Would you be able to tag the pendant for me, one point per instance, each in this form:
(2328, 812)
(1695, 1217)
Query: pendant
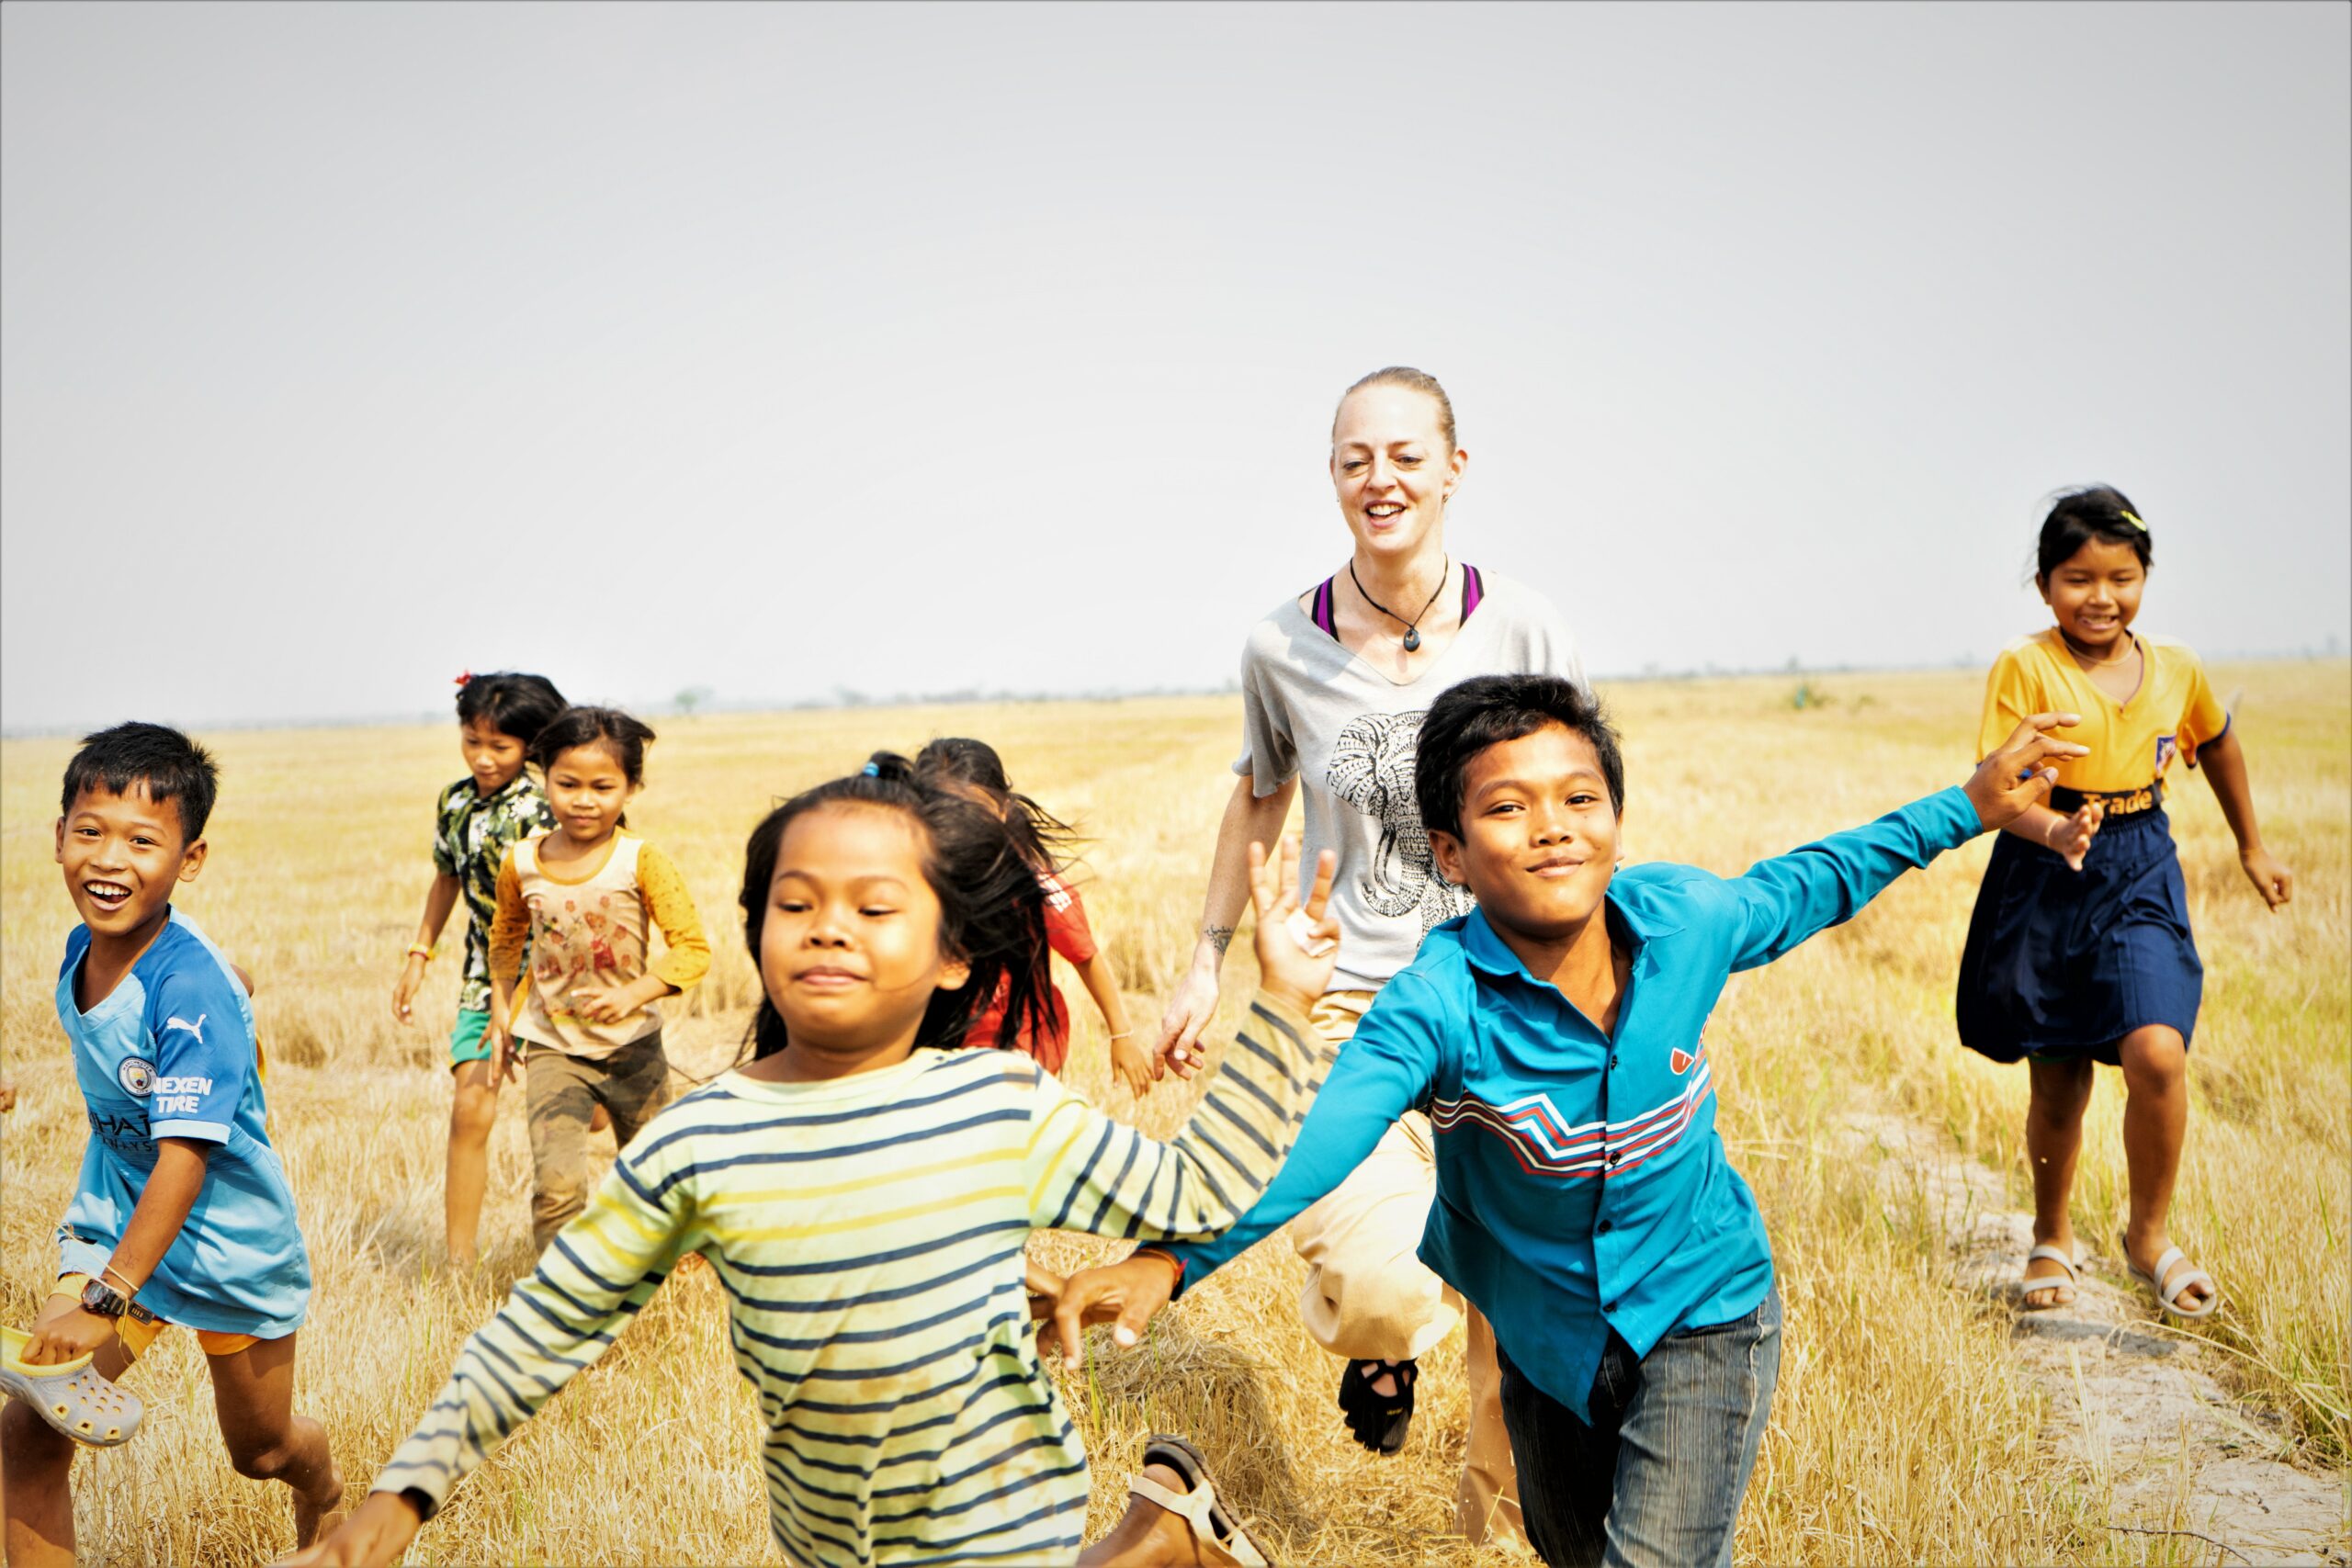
(1412, 638)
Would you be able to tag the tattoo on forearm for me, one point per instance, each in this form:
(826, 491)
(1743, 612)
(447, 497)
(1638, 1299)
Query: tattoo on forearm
(1218, 937)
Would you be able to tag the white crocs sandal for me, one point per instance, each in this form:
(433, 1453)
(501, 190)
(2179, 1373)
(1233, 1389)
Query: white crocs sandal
(2168, 1284)
(2030, 1284)
(69, 1395)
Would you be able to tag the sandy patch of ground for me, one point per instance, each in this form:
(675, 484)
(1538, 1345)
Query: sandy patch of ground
(2140, 1408)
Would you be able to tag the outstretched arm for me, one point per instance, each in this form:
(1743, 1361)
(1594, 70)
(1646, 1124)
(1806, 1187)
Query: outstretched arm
(597, 1271)
(1089, 1173)
(1789, 897)
(2224, 763)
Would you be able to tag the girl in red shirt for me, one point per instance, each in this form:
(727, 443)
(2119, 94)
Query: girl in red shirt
(973, 767)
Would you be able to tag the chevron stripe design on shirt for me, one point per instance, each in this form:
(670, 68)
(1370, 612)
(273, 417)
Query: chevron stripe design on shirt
(1544, 1145)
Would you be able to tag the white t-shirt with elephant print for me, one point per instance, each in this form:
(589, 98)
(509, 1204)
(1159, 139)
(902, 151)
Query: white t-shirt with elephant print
(1315, 712)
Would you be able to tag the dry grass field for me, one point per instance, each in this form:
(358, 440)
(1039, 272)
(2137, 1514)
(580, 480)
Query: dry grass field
(1904, 1430)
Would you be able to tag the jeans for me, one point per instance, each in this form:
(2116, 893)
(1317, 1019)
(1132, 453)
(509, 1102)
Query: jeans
(1655, 1479)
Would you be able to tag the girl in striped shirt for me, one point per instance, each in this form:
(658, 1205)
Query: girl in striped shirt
(865, 1196)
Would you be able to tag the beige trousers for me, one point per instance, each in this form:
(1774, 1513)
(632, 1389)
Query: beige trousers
(1368, 1296)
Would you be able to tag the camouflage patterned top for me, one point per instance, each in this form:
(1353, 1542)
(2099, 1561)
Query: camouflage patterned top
(471, 836)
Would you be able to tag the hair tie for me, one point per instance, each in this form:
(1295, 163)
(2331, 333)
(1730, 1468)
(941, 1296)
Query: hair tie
(2130, 519)
(872, 770)
(463, 679)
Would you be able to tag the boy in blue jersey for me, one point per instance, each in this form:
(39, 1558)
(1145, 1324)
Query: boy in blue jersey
(182, 1213)
(1552, 1036)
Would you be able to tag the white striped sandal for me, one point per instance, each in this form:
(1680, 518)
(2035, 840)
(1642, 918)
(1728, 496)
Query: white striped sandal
(2066, 1281)
(2169, 1281)
(69, 1395)
(1218, 1539)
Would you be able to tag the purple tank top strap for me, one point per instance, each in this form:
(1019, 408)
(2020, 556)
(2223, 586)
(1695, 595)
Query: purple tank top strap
(1324, 615)
(1473, 589)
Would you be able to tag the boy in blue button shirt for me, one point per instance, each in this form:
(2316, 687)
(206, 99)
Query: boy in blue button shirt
(182, 1213)
(1552, 1036)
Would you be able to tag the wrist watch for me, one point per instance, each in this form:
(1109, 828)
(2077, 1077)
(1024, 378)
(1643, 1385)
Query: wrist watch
(104, 1300)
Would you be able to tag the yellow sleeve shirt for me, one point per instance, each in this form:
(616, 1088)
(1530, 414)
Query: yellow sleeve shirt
(2132, 743)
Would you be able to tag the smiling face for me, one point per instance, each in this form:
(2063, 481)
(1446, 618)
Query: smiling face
(492, 756)
(2095, 593)
(1393, 467)
(588, 790)
(849, 946)
(123, 854)
(1538, 840)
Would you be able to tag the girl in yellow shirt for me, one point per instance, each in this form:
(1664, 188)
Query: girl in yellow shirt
(2079, 950)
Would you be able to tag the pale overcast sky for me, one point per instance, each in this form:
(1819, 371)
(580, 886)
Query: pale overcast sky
(904, 349)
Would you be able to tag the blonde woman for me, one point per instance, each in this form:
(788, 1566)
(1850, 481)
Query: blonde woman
(1334, 684)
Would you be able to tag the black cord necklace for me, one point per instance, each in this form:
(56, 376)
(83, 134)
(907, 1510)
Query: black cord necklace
(1413, 626)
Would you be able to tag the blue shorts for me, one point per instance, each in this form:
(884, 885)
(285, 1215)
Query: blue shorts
(466, 1043)
(2065, 964)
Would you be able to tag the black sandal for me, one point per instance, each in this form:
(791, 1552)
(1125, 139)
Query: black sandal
(1377, 1420)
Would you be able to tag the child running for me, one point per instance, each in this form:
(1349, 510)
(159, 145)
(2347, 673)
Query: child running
(2079, 950)
(1552, 1036)
(865, 1196)
(973, 765)
(182, 1213)
(474, 823)
(585, 897)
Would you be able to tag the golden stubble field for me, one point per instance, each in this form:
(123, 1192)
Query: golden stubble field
(1902, 1430)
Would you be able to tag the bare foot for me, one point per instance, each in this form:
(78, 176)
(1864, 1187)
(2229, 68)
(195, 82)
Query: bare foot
(317, 1514)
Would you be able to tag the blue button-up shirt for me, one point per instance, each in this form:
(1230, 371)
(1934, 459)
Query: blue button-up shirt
(1581, 1185)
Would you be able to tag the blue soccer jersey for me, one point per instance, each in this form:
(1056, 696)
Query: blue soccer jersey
(170, 1054)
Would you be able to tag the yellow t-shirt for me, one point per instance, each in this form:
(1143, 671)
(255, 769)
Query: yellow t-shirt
(2173, 713)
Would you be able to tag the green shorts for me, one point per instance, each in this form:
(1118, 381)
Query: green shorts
(466, 1043)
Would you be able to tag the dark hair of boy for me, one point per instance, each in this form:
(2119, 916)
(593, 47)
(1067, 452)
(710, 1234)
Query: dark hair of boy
(511, 703)
(991, 909)
(1044, 839)
(171, 766)
(1487, 710)
(2079, 516)
(621, 737)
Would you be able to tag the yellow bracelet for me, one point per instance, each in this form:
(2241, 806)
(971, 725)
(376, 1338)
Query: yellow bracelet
(418, 949)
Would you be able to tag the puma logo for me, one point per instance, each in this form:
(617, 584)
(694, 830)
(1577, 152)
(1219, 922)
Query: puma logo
(1680, 1060)
(196, 1028)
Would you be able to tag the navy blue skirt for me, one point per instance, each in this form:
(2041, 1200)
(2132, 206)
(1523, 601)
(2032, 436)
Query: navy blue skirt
(2066, 964)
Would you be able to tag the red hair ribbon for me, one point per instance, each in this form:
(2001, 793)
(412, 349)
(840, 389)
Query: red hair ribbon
(466, 677)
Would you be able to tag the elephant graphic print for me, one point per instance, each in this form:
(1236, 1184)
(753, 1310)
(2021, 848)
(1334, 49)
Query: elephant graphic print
(1372, 770)
(1315, 714)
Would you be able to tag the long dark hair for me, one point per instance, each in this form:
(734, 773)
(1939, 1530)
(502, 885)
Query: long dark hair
(1045, 838)
(991, 909)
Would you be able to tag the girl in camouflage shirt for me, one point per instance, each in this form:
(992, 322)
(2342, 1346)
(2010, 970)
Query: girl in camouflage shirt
(495, 805)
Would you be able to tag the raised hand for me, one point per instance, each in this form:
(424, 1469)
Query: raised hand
(1298, 937)
(2015, 776)
(2070, 836)
(1126, 1293)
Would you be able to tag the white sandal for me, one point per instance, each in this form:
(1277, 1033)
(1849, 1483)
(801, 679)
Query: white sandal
(2073, 1282)
(2168, 1285)
(1218, 1537)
